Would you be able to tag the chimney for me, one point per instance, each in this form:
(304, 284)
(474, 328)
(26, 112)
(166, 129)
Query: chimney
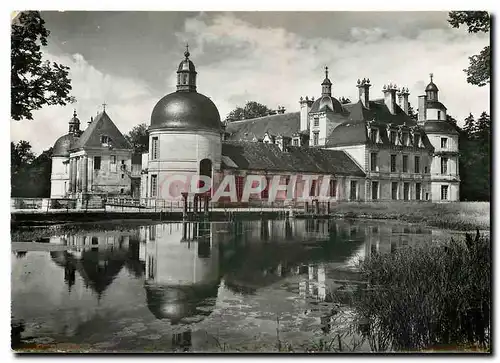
(403, 99)
(91, 119)
(422, 108)
(390, 97)
(305, 107)
(364, 91)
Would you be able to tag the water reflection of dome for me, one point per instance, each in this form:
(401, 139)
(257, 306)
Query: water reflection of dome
(182, 271)
(175, 303)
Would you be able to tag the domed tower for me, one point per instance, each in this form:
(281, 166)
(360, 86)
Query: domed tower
(321, 120)
(184, 137)
(445, 179)
(59, 178)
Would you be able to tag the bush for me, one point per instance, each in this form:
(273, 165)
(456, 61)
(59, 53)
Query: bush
(428, 296)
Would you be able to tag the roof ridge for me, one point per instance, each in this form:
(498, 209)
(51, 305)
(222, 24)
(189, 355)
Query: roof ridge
(261, 117)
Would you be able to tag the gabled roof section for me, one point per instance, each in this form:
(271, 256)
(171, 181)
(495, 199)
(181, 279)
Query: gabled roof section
(269, 157)
(102, 125)
(280, 124)
(354, 131)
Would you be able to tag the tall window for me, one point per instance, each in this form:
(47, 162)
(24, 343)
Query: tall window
(333, 188)
(406, 191)
(353, 190)
(417, 164)
(154, 185)
(265, 192)
(444, 192)
(405, 163)
(416, 140)
(394, 190)
(393, 136)
(240, 182)
(373, 161)
(154, 148)
(97, 163)
(375, 190)
(393, 163)
(444, 165)
(418, 191)
(373, 135)
(444, 143)
(113, 159)
(439, 115)
(315, 138)
(313, 188)
(316, 121)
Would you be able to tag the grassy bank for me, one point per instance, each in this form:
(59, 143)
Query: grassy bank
(428, 297)
(462, 216)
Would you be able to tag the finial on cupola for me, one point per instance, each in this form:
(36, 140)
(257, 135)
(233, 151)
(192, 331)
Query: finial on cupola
(186, 53)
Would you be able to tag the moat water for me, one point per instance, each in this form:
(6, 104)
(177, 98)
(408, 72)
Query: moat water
(204, 287)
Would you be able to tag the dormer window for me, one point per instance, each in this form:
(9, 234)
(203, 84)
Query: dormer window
(393, 137)
(105, 140)
(295, 141)
(374, 136)
(405, 139)
(416, 140)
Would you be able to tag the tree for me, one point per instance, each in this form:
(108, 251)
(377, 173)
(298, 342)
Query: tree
(475, 156)
(30, 174)
(479, 70)
(138, 138)
(34, 82)
(411, 112)
(20, 156)
(251, 110)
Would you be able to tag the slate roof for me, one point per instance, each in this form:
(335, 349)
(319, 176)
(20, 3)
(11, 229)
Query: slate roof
(435, 104)
(353, 130)
(268, 157)
(440, 127)
(102, 125)
(285, 124)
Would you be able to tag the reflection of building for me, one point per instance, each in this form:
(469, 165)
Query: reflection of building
(182, 270)
(98, 258)
(315, 283)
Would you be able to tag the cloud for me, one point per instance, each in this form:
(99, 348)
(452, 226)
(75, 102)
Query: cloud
(237, 62)
(129, 102)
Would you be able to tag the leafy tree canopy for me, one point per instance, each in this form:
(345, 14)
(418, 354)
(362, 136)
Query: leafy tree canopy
(479, 70)
(34, 82)
(138, 138)
(251, 110)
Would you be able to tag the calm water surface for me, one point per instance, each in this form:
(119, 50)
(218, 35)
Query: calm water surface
(195, 286)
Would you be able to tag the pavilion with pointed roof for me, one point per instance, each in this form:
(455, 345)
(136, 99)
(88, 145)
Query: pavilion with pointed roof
(95, 161)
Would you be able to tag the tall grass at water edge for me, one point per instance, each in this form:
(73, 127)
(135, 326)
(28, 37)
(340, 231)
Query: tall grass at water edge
(429, 296)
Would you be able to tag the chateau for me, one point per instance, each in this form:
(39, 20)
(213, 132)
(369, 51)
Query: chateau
(370, 149)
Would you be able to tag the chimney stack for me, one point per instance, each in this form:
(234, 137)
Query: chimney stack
(364, 91)
(403, 99)
(305, 107)
(390, 97)
(422, 108)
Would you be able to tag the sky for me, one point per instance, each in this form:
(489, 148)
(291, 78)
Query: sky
(128, 60)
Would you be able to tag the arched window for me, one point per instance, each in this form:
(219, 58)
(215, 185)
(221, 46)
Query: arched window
(206, 170)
